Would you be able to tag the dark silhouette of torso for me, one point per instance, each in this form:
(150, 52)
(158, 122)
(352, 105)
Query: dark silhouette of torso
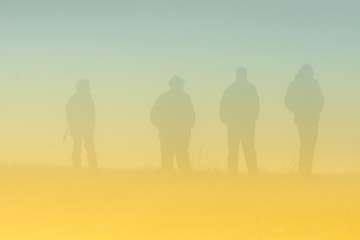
(306, 101)
(173, 114)
(239, 109)
(240, 104)
(80, 113)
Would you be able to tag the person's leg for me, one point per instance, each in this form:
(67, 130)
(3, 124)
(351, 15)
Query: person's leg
(90, 148)
(167, 152)
(77, 144)
(308, 132)
(233, 148)
(182, 151)
(248, 144)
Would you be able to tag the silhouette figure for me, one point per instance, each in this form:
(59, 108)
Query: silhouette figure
(80, 112)
(173, 114)
(239, 109)
(306, 101)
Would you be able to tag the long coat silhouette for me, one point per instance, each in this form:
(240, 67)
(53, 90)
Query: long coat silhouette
(305, 100)
(80, 112)
(174, 116)
(239, 109)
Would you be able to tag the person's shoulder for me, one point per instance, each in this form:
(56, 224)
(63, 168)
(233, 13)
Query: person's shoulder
(179, 95)
(250, 85)
(231, 87)
(185, 94)
(316, 82)
(72, 98)
(293, 84)
(164, 96)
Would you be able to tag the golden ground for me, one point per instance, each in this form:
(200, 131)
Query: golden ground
(56, 203)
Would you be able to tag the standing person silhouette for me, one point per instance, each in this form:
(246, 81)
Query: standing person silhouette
(173, 114)
(80, 112)
(239, 110)
(306, 101)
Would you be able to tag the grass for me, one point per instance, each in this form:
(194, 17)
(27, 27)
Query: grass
(56, 203)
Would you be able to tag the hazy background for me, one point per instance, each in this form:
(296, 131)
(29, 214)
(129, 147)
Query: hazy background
(130, 49)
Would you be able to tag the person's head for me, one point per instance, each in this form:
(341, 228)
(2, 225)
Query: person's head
(305, 73)
(241, 74)
(83, 86)
(176, 83)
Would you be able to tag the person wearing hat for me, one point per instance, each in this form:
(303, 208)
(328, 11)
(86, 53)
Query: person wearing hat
(239, 110)
(80, 113)
(174, 116)
(305, 100)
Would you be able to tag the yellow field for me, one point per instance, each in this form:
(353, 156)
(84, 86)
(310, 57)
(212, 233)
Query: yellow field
(56, 203)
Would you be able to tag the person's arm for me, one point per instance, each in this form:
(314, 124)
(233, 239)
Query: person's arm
(321, 99)
(222, 110)
(154, 113)
(257, 104)
(289, 98)
(93, 110)
(68, 111)
(192, 113)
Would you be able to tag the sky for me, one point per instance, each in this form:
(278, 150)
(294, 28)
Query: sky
(130, 49)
